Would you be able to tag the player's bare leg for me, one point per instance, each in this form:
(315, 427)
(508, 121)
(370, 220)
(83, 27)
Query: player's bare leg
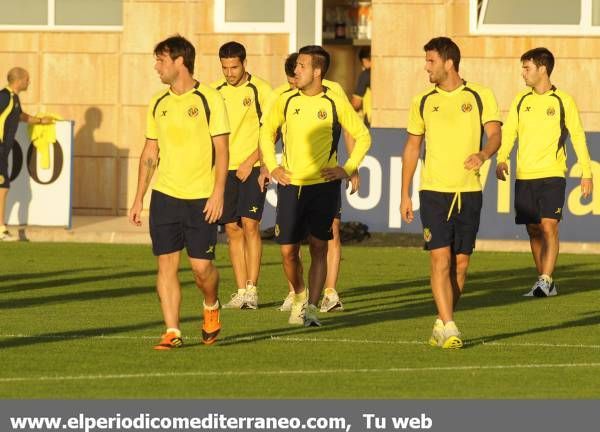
(168, 288)
(334, 255)
(536, 241)
(318, 268)
(292, 266)
(441, 286)
(253, 248)
(235, 237)
(549, 229)
(459, 264)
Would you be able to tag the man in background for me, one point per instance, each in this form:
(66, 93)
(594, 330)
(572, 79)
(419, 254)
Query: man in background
(11, 112)
(245, 97)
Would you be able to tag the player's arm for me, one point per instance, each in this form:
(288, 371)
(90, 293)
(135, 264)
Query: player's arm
(214, 205)
(575, 128)
(359, 92)
(351, 122)
(24, 117)
(493, 133)
(410, 158)
(492, 127)
(245, 168)
(147, 166)
(510, 130)
(354, 179)
(268, 134)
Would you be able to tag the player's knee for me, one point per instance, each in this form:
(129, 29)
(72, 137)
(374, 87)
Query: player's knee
(203, 271)
(233, 230)
(250, 226)
(440, 264)
(318, 248)
(534, 230)
(549, 227)
(289, 254)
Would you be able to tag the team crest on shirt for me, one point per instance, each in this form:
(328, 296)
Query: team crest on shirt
(427, 235)
(550, 111)
(466, 107)
(247, 101)
(322, 114)
(277, 230)
(193, 111)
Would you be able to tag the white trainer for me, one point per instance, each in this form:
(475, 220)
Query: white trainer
(236, 301)
(331, 301)
(310, 316)
(286, 306)
(6, 236)
(297, 312)
(250, 297)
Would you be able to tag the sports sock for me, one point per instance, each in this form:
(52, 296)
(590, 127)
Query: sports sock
(329, 291)
(3, 228)
(213, 307)
(174, 330)
(546, 278)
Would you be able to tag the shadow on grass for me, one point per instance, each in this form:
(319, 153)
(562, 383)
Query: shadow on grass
(485, 289)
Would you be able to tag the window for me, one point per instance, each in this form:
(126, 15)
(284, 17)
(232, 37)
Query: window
(61, 15)
(535, 17)
(243, 16)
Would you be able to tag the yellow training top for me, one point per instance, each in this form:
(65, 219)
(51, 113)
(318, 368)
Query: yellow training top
(184, 126)
(311, 128)
(452, 123)
(245, 105)
(542, 123)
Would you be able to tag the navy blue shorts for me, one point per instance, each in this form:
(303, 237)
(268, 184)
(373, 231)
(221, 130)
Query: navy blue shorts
(242, 199)
(304, 210)
(539, 198)
(460, 230)
(177, 223)
(4, 174)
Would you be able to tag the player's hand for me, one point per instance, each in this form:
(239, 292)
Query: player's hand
(474, 161)
(264, 178)
(281, 176)
(353, 182)
(243, 172)
(135, 213)
(406, 210)
(213, 210)
(335, 173)
(502, 171)
(46, 120)
(587, 186)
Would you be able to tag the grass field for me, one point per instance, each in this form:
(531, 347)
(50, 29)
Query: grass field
(79, 320)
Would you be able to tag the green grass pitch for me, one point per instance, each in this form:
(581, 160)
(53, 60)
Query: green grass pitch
(79, 321)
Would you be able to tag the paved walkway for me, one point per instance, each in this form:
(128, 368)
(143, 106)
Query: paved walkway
(117, 229)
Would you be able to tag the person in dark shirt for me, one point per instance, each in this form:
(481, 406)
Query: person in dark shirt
(11, 113)
(361, 99)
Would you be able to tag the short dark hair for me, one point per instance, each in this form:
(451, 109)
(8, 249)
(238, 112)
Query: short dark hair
(232, 50)
(178, 46)
(446, 48)
(364, 53)
(540, 57)
(290, 64)
(319, 57)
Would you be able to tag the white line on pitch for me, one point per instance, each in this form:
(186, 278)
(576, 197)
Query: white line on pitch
(235, 373)
(304, 339)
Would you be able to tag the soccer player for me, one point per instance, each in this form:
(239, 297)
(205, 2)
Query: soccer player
(311, 119)
(331, 299)
(452, 118)
(542, 117)
(362, 99)
(245, 97)
(11, 113)
(187, 128)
